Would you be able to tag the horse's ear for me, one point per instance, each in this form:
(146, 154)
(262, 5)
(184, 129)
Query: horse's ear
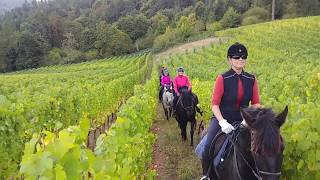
(281, 118)
(247, 117)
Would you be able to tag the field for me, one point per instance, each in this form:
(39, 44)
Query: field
(56, 97)
(47, 113)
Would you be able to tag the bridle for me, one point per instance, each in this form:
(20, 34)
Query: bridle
(188, 108)
(255, 170)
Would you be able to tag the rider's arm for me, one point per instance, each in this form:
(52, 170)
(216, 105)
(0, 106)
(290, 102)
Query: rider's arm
(217, 94)
(255, 100)
(162, 81)
(175, 86)
(217, 113)
(188, 83)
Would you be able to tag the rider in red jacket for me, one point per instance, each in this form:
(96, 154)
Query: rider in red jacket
(233, 90)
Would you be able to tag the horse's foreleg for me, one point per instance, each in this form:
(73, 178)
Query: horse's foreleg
(170, 112)
(166, 112)
(184, 131)
(193, 124)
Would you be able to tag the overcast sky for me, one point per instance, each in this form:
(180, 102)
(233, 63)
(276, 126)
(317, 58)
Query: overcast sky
(6, 5)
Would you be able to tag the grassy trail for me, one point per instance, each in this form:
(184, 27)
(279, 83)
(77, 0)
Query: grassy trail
(172, 158)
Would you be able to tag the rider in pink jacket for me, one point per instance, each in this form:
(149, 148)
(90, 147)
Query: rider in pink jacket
(181, 81)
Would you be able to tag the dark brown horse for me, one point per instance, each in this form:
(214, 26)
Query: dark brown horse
(256, 149)
(186, 112)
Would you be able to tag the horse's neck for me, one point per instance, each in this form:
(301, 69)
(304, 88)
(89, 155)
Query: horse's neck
(236, 163)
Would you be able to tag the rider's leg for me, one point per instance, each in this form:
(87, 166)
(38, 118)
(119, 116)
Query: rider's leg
(207, 155)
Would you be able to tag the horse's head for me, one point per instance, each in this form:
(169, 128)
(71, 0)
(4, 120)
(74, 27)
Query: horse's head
(187, 103)
(267, 145)
(168, 88)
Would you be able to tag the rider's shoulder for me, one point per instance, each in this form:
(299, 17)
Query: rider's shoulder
(228, 73)
(248, 75)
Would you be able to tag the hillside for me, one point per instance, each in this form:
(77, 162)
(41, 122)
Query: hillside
(44, 33)
(51, 112)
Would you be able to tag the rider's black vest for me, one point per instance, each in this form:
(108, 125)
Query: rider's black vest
(228, 106)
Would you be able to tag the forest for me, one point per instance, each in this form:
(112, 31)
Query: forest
(44, 33)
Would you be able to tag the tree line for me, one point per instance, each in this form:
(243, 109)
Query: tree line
(42, 33)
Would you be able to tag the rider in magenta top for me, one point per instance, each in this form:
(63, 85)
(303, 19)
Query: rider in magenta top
(166, 80)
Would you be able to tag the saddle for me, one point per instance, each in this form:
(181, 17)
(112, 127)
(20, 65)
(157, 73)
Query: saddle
(222, 153)
(223, 150)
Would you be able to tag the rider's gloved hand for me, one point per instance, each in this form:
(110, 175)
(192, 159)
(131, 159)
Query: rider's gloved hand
(225, 126)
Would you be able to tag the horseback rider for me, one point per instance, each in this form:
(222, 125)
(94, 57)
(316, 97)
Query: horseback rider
(161, 74)
(182, 83)
(233, 90)
(165, 82)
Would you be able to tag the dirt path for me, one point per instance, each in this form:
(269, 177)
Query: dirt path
(172, 158)
(182, 48)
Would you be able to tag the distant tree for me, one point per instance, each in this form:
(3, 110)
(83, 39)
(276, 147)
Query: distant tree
(56, 26)
(219, 9)
(31, 48)
(152, 7)
(201, 13)
(240, 6)
(296, 8)
(255, 15)
(230, 19)
(165, 40)
(185, 3)
(135, 26)
(112, 41)
(87, 39)
(185, 26)
(7, 49)
(159, 23)
(39, 23)
(75, 28)
(69, 41)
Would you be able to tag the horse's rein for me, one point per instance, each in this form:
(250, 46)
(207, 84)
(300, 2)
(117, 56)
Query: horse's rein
(185, 108)
(257, 173)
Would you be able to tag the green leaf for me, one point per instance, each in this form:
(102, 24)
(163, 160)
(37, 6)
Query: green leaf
(60, 174)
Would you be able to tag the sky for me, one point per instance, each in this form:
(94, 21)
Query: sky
(6, 5)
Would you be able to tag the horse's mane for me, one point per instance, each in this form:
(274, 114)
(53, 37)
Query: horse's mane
(266, 134)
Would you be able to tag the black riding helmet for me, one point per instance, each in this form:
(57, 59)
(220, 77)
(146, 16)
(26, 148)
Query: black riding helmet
(237, 49)
(180, 69)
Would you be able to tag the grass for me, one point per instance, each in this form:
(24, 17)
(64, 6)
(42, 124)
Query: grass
(175, 159)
